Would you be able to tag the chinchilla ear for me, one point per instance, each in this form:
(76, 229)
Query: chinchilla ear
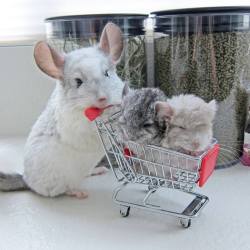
(48, 60)
(213, 105)
(111, 41)
(212, 108)
(163, 110)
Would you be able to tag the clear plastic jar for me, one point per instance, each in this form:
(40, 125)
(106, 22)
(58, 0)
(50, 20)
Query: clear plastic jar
(206, 51)
(68, 33)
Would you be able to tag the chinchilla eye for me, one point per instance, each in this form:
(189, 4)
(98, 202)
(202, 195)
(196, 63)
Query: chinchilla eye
(78, 82)
(181, 127)
(106, 73)
(147, 125)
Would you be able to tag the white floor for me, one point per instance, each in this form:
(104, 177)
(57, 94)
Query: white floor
(28, 221)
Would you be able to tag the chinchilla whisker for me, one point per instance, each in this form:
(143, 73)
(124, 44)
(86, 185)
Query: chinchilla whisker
(227, 156)
(231, 141)
(229, 152)
(228, 147)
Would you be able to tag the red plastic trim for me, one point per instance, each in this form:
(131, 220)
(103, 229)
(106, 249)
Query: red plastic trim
(208, 164)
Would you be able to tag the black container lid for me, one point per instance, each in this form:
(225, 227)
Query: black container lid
(211, 19)
(204, 10)
(78, 26)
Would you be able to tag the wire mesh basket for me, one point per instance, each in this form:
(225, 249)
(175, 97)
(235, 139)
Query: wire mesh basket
(156, 167)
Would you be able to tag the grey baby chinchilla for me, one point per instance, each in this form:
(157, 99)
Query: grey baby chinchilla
(63, 147)
(138, 121)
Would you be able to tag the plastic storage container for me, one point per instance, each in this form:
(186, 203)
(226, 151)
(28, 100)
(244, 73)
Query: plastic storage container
(206, 51)
(67, 33)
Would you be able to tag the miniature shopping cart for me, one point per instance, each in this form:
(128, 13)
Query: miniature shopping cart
(156, 168)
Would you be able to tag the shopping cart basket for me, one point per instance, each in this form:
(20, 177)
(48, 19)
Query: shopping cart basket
(156, 167)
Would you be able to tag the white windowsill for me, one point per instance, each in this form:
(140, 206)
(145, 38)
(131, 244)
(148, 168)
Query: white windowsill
(21, 41)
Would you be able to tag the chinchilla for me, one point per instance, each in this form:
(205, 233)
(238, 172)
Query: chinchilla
(63, 146)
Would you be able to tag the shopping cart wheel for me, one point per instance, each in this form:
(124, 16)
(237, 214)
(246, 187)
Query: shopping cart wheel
(186, 223)
(124, 211)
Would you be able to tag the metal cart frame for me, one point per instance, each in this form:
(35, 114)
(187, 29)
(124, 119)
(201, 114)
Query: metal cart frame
(154, 167)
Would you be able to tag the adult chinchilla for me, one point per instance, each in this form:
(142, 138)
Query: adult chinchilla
(63, 146)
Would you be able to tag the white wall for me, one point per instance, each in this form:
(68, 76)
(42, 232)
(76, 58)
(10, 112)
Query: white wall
(24, 90)
(23, 19)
